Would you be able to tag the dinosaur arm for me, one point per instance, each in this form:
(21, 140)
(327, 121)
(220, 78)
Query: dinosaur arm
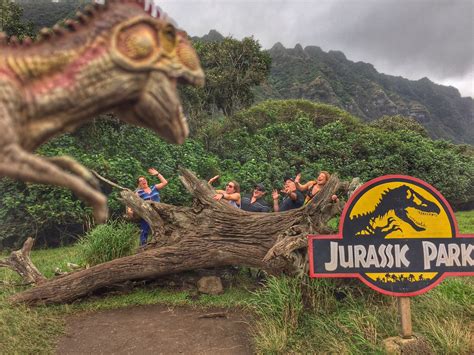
(21, 165)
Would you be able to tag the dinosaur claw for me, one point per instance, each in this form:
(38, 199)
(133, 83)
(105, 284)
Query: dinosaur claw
(101, 211)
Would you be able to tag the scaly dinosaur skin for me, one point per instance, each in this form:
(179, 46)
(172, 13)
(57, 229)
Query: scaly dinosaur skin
(396, 200)
(114, 57)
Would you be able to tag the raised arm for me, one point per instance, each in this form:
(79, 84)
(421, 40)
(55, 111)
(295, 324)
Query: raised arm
(221, 194)
(304, 187)
(293, 195)
(275, 197)
(163, 181)
(212, 179)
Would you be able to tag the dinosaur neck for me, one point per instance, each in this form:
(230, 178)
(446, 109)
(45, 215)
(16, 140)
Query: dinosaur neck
(363, 219)
(380, 210)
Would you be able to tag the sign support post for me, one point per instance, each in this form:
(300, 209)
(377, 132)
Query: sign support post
(405, 317)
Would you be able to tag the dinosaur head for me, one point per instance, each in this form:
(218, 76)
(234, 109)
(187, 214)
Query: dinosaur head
(125, 53)
(413, 207)
(156, 50)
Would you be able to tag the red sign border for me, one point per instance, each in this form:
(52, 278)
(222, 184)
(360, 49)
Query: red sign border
(358, 275)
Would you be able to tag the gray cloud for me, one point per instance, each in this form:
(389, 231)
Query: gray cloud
(411, 38)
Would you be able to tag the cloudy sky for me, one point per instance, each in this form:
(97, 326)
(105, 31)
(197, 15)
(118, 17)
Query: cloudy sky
(410, 38)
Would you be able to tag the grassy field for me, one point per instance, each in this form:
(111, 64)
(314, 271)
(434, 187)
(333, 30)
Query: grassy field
(313, 316)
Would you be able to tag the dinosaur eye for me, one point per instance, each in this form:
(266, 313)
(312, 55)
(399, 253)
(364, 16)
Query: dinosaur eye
(417, 200)
(170, 33)
(168, 36)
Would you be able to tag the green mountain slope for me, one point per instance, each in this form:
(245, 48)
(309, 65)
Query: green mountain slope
(45, 13)
(358, 88)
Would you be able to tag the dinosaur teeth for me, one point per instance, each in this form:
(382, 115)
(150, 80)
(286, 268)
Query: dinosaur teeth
(58, 30)
(71, 25)
(14, 41)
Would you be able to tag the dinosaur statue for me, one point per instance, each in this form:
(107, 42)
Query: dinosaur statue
(114, 56)
(396, 200)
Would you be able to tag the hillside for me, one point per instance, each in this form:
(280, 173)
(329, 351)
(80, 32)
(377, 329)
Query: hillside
(329, 77)
(45, 13)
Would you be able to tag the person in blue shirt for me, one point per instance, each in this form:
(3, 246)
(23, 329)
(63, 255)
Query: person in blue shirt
(148, 193)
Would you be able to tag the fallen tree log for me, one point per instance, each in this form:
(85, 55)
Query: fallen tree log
(208, 234)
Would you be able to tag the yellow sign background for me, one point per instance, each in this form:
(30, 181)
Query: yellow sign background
(436, 225)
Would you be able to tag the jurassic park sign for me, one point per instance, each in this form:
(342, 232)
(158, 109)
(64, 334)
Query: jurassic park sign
(398, 235)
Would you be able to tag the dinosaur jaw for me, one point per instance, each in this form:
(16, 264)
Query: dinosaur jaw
(159, 109)
(419, 220)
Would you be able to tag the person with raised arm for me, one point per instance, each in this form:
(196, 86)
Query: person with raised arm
(147, 193)
(293, 197)
(313, 187)
(231, 194)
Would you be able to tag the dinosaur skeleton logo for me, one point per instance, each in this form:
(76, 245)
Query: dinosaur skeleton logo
(398, 235)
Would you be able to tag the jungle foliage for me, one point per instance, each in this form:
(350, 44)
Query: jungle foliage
(357, 87)
(262, 143)
(107, 242)
(45, 13)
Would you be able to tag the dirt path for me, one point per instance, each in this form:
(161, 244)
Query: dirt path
(156, 329)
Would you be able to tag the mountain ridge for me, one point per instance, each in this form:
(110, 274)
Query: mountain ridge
(357, 87)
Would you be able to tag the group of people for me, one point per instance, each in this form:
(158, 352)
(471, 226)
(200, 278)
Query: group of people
(295, 194)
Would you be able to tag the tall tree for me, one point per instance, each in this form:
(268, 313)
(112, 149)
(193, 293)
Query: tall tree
(232, 69)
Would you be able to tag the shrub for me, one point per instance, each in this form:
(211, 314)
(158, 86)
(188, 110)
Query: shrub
(107, 242)
(400, 123)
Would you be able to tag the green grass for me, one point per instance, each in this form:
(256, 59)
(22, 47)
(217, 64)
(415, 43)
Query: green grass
(360, 322)
(465, 221)
(291, 318)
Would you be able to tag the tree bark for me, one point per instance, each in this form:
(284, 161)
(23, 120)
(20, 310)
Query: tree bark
(20, 262)
(208, 234)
